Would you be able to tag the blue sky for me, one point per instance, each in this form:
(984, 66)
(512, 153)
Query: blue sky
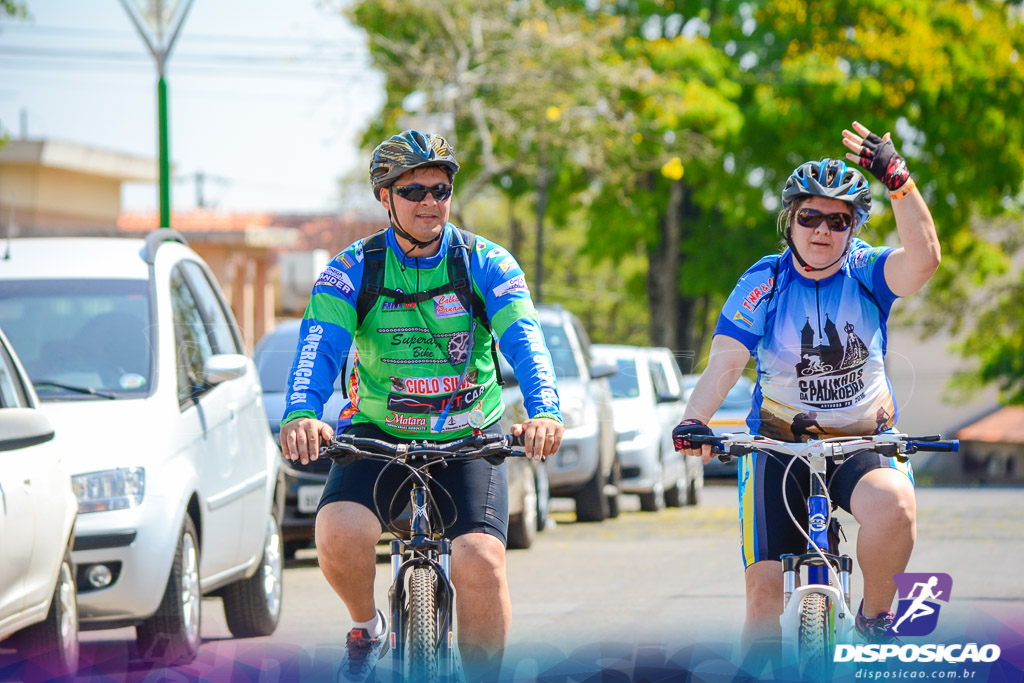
(268, 99)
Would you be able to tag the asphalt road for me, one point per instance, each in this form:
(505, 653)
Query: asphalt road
(646, 587)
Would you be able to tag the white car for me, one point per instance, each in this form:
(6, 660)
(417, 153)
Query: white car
(730, 417)
(141, 368)
(647, 404)
(38, 610)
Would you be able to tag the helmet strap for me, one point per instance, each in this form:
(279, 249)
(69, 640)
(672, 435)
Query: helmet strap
(393, 215)
(806, 266)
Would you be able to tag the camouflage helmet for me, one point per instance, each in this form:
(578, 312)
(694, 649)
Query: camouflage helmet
(833, 179)
(408, 150)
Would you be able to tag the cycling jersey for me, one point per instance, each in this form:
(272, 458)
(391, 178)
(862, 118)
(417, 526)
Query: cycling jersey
(819, 345)
(410, 368)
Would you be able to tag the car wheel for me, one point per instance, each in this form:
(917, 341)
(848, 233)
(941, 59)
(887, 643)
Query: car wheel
(591, 502)
(50, 647)
(615, 482)
(252, 606)
(654, 500)
(522, 529)
(543, 496)
(292, 547)
(171, 636)
(676, 495)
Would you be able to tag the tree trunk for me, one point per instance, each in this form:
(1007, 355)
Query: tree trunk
(663, 272)
(543, 181)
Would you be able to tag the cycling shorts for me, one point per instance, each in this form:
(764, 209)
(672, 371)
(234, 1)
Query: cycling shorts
(767, 532)
(470, 495)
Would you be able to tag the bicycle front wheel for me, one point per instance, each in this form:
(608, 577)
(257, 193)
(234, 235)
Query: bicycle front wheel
(815, 644)
(421, 627)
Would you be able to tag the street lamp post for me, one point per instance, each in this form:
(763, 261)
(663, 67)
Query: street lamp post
(160, 16)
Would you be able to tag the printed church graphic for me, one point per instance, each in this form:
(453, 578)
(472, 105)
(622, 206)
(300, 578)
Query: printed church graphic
(830, 356)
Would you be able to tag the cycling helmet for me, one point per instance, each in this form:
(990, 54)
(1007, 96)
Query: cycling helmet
(830, 178)
(408, 150)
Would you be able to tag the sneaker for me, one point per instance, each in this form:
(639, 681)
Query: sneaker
(876, 629)
(362, 653)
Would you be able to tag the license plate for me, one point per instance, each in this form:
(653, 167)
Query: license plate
(309, 498)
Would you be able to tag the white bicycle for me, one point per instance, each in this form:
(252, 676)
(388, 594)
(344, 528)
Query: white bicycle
(816, 612)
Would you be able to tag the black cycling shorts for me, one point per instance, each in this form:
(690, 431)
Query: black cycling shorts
(767, 531)
(470, 495)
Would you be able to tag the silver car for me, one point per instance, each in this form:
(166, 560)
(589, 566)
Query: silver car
(586, 466)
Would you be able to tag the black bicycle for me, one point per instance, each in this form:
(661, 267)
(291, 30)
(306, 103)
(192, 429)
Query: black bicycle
(422, 596)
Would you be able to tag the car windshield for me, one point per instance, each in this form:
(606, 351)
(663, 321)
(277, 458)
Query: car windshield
(561, 351)
(624, 383)
(738, 398)
(80, 338)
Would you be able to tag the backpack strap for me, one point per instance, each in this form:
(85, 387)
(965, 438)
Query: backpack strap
(462, 283)
(374, 248)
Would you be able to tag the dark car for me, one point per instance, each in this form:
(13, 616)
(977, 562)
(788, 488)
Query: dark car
(528, 495)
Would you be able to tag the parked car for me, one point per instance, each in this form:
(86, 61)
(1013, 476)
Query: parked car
(140, 366)
(586, 467)
(647, 404)
(730, 417)
(38, 609)
(528, 486)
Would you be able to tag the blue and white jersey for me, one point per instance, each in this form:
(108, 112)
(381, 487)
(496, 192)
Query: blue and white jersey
(819, 345)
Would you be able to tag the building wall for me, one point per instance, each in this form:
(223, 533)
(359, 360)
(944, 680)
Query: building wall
(47, 197)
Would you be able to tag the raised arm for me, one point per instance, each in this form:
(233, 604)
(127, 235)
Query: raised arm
(913, 264)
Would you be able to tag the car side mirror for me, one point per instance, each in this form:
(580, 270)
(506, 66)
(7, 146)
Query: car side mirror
(223, 367)
(23, 427)
(599, 370)
(668, 398)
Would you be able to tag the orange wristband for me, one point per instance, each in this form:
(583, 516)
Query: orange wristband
(907, 188)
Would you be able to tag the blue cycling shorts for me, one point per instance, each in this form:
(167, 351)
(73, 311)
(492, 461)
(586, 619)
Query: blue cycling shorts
(767, 532)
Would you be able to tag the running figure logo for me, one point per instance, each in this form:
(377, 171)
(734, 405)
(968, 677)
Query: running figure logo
(917, 613)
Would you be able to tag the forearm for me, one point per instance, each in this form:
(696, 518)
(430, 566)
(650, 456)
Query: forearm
(917, 234)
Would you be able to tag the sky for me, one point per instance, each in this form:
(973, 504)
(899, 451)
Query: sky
(267, 99)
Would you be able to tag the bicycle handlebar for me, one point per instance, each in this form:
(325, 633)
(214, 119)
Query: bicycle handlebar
(482, 446)
(893, 445)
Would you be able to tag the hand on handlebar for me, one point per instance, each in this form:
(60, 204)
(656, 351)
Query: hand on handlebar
(301, 439)
(687, 447)
(541, 436)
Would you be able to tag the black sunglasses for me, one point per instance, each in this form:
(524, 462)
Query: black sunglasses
(836, 222)
(416, 193)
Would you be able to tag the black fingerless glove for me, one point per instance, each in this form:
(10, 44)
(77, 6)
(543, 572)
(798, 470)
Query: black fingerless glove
(879, 156)
(684, 429)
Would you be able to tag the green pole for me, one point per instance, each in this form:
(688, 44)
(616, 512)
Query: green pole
(165, 162)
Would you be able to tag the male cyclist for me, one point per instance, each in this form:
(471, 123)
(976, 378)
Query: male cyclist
(787, 311)
(422, 331)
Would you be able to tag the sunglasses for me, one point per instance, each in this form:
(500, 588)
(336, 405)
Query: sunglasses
(416, 193)
(836, 222)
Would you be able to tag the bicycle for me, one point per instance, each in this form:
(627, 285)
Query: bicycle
(421, 638)
(816, 614)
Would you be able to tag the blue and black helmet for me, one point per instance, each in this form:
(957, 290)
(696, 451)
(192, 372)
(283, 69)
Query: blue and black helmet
(830, 178)
(408, 150)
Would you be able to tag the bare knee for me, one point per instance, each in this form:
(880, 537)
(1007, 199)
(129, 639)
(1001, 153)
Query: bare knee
(345, 531)
(478, 563)
(764, 595)
(884, 499)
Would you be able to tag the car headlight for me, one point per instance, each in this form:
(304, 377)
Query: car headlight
(118, 489)
(572, 413)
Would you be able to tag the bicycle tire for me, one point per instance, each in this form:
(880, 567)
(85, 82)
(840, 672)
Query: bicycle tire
(421, 627)
(815, 641)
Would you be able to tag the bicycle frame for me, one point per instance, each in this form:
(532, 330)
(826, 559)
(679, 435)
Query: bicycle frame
(424, 551)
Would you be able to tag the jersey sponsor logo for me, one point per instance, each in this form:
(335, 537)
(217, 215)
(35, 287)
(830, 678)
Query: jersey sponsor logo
(516, 284)
(406, 423)
(757, 294)
(453, 423)
(344, 259)
(448, 306)
(304, 369)
(507, 264)
(425, 386)
(435, 404)
(337, 279)
(357, 251)
(389, 305)
(480, 244)
(458, 347)
(497, 252)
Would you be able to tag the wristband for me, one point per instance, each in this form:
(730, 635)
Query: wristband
(907, 188)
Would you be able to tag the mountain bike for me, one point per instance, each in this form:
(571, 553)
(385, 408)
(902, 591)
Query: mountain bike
(421, 597)
(816, 613)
